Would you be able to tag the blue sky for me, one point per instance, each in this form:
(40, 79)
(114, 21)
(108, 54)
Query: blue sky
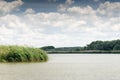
(59, 23)
(51, 5)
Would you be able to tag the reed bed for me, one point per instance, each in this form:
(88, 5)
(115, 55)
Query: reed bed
(22, 54)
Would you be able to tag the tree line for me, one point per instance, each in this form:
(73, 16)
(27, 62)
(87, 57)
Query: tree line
(104, 45)
(95, 45)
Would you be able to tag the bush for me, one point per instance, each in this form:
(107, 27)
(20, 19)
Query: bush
(22, 54)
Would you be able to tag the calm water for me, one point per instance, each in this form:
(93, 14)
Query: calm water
(66, 67)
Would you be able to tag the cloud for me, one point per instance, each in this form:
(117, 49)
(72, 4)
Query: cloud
(29, 11)
(76, 27)
(109, 9)
(81, 11)
(63, 7)
(6, 7)
(69, 2)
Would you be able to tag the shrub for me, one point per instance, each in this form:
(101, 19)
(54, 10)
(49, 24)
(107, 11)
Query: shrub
(22, 54)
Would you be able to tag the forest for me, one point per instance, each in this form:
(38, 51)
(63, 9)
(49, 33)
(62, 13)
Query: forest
(104, 45)
(95, 46)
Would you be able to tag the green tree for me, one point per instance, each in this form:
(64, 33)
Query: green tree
(104, 45)
(48, 47)
(116, 47)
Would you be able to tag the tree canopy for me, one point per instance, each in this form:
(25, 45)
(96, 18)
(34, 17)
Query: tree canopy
(47, 47)
(104, 45)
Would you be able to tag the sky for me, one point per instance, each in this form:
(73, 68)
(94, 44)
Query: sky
(60, 23)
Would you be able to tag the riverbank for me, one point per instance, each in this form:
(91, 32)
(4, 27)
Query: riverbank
(22, 54)
(86, 52)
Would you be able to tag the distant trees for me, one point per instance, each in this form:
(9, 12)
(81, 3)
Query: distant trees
(48, 47)
(52, 48)
(116, 47)
(104, 45)
(95, 45)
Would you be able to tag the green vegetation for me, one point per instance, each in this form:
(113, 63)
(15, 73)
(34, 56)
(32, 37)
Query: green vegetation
(22, 54)
(94, 47)
(48, 47)
(104, 45)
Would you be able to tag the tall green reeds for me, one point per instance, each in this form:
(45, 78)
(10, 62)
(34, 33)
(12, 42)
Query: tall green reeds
(22, 54)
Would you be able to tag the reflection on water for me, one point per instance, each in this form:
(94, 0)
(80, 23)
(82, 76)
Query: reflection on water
(65, 67)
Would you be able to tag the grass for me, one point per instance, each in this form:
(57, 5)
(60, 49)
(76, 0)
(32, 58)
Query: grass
(22, 54)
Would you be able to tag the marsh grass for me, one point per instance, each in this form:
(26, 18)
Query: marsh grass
(22, 54)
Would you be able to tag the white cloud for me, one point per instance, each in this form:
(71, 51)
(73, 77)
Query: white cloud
(69, 2)
(63, 7)
(29, 11)
(81, 11)
(116, 27)
(6, 7)
(77, 27)
(109, 9)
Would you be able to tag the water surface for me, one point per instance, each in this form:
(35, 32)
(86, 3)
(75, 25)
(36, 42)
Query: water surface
(65, 67)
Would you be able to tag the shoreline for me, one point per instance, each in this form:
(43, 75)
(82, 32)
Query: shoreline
(83, 52)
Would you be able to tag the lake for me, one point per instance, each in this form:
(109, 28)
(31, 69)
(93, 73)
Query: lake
(65, 67)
